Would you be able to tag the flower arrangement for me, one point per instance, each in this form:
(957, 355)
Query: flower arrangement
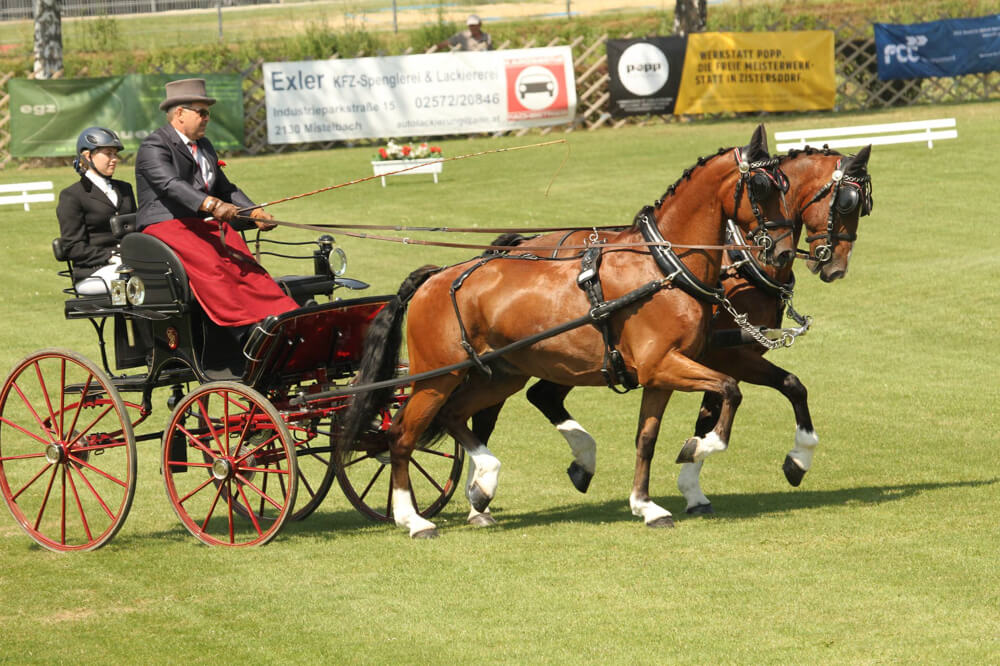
(395, 151)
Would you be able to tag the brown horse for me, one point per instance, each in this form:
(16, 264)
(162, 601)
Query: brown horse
(465, 311)
(828, 193)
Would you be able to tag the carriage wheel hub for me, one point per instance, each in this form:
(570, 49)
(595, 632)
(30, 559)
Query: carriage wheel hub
(222, 469)
(54, 453)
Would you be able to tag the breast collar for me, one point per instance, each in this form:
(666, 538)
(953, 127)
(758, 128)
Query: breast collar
(671, 264)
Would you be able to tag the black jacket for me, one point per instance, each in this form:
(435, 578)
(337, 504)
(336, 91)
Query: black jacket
(83, 213)
(170, 185)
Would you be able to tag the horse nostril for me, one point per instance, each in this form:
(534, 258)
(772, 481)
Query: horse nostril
(832, 275)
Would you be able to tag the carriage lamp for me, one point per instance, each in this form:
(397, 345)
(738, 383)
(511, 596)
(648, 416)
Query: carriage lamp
(135, 289)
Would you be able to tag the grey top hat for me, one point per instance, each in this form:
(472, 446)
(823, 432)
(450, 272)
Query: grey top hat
(185, 91)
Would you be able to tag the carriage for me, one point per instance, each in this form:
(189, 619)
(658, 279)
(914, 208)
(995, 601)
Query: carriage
(248, 443)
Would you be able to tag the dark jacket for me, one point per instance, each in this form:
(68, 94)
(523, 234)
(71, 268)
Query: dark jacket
(83, 214)
(170, 185)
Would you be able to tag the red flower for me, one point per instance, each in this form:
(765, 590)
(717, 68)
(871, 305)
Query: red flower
(407, 150)
(435, 149)
(221, 163)
(383, 153)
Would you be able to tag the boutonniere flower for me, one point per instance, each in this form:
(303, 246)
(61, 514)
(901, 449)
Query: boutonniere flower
(222, 163)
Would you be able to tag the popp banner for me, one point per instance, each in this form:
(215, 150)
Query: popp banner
(757, 71)
(418, 95)
(645, 74)
(951, 47)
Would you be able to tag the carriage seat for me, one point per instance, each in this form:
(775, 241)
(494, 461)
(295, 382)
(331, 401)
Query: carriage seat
(161, 271)
(304, 288)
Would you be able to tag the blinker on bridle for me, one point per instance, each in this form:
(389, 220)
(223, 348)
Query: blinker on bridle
(846, 194)
(758, 178)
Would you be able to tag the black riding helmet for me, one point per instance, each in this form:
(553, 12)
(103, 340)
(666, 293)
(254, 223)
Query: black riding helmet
(91, 139)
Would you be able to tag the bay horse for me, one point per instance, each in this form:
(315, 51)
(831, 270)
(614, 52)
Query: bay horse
(464, 311)
(828, 194)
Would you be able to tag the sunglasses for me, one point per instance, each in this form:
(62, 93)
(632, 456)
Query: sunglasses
(204, 113)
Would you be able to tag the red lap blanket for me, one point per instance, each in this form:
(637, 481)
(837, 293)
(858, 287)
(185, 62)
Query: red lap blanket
(231, 286)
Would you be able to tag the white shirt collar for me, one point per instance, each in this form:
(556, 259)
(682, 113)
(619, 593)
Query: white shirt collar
(103, 184)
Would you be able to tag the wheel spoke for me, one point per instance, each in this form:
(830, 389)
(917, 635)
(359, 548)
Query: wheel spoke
(45, 498)
(79, 405)
(96, 470)
(263, 495)
(79, 505)
(211, 509)
(48, 401)
(426, 474)
(27, 485)
(78, 435)
(372, 483)
(38, 419)
(97, 495)
(253, 516)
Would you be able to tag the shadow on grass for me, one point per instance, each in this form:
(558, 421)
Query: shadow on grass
(732, 506)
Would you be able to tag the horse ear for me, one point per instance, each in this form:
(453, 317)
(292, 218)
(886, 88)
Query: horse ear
(758, 144)
(858, 164)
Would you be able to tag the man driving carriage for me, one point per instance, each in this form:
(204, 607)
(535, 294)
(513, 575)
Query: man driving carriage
(187, 202)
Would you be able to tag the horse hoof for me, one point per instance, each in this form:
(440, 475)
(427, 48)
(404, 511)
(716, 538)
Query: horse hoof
(701, 510)
(792, 471)
(482, 520)
(478, 499)
(431, 533)
(663, 521)
(687, 451)
(579, 476)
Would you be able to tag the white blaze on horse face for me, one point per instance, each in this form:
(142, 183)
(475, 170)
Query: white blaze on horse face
(708, 445)
(487, 472)
(406, 515)
(582, 445)
(648, 510)
(805, 446)
(688, 484)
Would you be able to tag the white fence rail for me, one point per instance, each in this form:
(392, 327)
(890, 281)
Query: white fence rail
(863, 135)
(26, 193)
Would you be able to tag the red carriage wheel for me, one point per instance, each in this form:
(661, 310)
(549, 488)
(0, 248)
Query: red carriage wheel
(314, 457)
(67, 451)
(229, 465)
(364, 474)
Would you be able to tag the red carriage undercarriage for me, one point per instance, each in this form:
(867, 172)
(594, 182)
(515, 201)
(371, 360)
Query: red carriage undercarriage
(247, 449)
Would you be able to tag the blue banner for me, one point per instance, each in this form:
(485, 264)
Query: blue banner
(951, 47)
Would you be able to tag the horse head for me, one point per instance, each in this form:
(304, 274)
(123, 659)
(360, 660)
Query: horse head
(758, 201)
(839, 195)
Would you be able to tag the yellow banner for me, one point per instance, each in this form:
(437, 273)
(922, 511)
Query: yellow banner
(757, 71)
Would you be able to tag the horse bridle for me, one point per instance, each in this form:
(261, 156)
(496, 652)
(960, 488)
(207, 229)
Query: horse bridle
(846, 194)
(756, 178)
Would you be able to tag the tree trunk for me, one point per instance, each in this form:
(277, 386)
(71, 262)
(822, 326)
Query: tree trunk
(48, 39)
(690, 16)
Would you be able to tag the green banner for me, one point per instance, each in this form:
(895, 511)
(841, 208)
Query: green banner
(48, 116)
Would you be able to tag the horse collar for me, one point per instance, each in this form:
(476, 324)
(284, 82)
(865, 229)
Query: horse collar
(671, 265)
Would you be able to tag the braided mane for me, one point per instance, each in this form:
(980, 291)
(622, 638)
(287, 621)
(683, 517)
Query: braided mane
(809, 150)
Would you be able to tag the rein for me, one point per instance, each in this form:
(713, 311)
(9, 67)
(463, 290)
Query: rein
(498, 248)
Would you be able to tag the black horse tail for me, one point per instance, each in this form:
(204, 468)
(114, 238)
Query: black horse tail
(505, 241)
(380, 360)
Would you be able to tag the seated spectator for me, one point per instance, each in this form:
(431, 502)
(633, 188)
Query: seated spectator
(86, 207)
(473, 39)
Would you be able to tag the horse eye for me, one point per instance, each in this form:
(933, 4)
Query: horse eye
(848, 199)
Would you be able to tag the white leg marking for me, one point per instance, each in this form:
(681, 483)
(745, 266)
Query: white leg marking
(647, 509)
(708, 445)
(487, 471)
(687, 483)
(805, 446)
(581, 443)
(406, 515)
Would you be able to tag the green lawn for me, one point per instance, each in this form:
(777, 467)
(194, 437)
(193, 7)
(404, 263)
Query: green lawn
(887, 553)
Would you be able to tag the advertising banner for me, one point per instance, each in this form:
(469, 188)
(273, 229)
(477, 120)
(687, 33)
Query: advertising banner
(418, 95)
(645, 74)
(757, 71)
(951, 47)
(47, 116)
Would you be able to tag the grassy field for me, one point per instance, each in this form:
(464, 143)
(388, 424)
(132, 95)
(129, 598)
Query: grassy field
(887, 553)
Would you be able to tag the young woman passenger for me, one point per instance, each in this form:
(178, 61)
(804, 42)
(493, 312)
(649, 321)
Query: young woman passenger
(86, 208)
